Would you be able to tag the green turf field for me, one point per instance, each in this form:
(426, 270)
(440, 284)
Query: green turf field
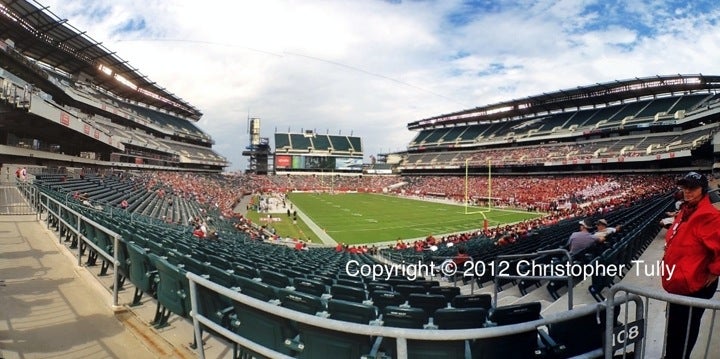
(365, 218)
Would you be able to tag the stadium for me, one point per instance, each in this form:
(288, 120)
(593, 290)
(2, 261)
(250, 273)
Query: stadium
(123, 235)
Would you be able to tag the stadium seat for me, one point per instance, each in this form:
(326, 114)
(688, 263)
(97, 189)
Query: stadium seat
(472, 301)
(460, 318)
(246, 271)
(375, 286)
(570, 342)
(350, 283)
(328, 281)
(142, 272)
(262, 328)
(321, 343)
(257, 290)
(276, 279)
(449, 292)
(351, 312)
(518, 313)
(301, 302)
(353, 294)
(427, 302)
(414, 318)
(406, 290)
(382, 299)
(520, 345)
(173, 294)
(309, 286)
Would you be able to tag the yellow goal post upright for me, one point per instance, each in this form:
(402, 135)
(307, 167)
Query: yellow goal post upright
(482, 211)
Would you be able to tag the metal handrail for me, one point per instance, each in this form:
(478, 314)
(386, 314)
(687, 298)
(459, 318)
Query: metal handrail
(657, 294)
(568, 278)
(401, 334)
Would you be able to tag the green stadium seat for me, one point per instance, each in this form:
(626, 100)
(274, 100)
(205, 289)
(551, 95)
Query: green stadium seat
(427, 302)
(142, 272)
(173, 293)
(344, 292)
(472, 301)
(301, 302)
(382, 299)
(309, 286)
(449, 292)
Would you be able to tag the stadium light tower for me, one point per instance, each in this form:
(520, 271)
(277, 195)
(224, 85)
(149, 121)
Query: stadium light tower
(259, 149)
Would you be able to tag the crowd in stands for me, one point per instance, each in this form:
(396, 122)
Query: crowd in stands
(544, 194)
(558, 197)
(582, 196)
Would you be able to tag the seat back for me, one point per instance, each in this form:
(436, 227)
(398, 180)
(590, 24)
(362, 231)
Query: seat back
(518, 313)
(460, 318)
(141, 269)
(274, 278)
(309, 286)
(351, 311)
(344, 292)
(427, 302)
(257, 290)
(382, 298)
(472, 301)
(173, 290)
(400, 317)
(301, 302)
(449, 292)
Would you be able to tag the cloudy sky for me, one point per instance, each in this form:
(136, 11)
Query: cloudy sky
(370, 67)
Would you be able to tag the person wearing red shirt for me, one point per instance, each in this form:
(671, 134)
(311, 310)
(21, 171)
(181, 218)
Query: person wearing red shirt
(692, 249)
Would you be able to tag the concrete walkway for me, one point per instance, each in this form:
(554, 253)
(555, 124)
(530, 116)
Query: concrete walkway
(47, 309)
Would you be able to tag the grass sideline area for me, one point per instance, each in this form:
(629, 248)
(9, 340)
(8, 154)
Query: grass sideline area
(357, 218)
(285, 227)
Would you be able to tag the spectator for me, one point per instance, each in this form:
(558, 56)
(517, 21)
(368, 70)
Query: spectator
(693, 249)
(603, 230)
(581, 239)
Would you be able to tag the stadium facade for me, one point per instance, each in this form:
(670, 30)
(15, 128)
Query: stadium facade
(641, 124)
(67, 101)
(311, 152)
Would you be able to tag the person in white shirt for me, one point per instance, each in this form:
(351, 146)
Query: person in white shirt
(603, 230)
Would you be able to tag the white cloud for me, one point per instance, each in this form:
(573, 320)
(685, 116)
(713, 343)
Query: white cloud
(373, 66)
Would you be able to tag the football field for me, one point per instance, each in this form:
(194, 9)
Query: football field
(367, 218)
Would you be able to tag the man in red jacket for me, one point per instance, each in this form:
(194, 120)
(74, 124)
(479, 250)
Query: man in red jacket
(693, 250)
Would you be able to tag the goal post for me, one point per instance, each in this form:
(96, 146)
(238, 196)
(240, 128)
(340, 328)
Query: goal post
(472, 209)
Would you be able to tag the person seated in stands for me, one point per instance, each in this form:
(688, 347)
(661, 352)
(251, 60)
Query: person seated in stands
(197, 232)
(582, 239)
(603, 230)
(461, 257)
(124, 204)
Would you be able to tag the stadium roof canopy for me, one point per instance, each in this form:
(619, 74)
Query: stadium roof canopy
(43, 36)
(575, 98)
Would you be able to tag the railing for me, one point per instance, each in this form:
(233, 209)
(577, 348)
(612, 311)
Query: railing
(13, 200)
(42, 203)
(400, 334)
(640, 340)
(504, 259)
